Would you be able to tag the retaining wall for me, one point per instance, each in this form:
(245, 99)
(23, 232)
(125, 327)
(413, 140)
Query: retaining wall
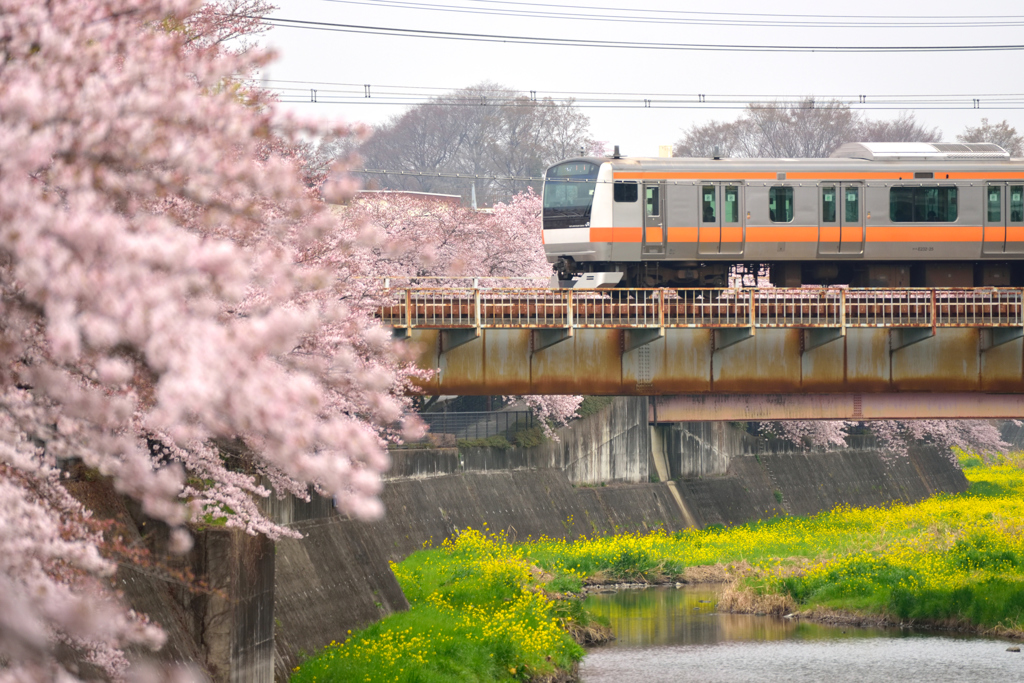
(808, 483)
(228, 630)
(611, 445)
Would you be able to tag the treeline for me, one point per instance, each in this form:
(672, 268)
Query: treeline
(813, 129)
(496, 136)
(484, 130)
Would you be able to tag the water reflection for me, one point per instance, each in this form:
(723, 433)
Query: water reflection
(676, 635)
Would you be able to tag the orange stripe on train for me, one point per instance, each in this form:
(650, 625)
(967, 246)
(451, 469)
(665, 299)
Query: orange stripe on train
(823, 176)
(828, 233)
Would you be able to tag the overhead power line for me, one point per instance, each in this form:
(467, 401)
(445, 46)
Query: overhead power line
(752, 14)
(461, 176)
(628, 45)
(382, 89)
(653, 104)
(297, 92)
(735, 19)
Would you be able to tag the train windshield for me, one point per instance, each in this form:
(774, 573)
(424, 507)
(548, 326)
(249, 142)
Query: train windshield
(569, 194)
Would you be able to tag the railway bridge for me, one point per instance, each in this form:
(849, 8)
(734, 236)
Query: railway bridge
(728, 354)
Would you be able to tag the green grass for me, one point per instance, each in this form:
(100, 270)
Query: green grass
(476, 614)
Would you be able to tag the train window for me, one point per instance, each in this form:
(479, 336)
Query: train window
(828, 205)
(852, 204)
(707, 204)
(626, 192)
(995, 204)
(780, 204)
(922, 204)
(653, 200)
(731, 204)
(1017, 203)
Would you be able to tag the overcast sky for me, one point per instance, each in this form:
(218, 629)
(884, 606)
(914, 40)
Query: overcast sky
(311, 56)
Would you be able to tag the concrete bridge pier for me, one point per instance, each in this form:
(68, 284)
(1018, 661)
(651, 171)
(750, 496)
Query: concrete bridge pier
(692, 450)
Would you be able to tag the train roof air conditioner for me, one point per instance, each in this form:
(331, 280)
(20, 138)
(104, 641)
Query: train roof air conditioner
(921, 151)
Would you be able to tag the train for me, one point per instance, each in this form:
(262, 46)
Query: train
(873, 214)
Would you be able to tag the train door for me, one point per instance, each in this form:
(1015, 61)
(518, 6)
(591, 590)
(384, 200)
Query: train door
(840, 218)
(994, 239)
(1014, 219)
(1004, 219)
(655, 232)
(828, 219)
(721, 220)
(851, 218)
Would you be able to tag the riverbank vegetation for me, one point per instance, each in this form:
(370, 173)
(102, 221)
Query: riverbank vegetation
(478, 612)
(951, 560)
(484, 609)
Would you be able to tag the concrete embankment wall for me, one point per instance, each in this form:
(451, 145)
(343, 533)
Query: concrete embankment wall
(226, 629)
(759, 486)
(608, 446)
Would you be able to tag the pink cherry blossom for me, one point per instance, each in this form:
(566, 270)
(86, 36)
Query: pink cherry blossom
(168, 320)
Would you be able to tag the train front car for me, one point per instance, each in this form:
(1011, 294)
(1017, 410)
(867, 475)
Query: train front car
(577, 198)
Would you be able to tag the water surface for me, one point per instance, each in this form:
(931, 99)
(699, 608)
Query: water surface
(665, 634)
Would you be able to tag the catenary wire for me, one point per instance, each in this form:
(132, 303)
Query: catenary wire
(462, 176)
(303, 24)
(752, 14)
(560, 93)
(692, 18)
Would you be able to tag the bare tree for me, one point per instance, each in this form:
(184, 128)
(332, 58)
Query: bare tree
(566, 130)
(427, 138)
(818, 128)
(704, 141)
(485, 130)
(1001, 134)
(809, 128)
(903, 128)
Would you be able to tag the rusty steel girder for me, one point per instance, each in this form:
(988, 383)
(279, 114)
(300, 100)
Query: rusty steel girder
(739, 361)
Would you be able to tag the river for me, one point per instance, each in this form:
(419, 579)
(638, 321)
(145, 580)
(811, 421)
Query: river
(668, 634)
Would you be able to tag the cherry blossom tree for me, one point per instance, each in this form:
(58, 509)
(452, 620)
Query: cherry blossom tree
(161, 294)
(895, 436)
(417, 237)
(820, 433)
(977, 436)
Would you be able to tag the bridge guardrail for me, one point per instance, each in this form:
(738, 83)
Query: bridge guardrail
(534, 308)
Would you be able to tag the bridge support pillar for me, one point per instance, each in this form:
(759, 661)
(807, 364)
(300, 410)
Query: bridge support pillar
(658, 452)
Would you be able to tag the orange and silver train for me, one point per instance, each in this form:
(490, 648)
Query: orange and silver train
(871, 215)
